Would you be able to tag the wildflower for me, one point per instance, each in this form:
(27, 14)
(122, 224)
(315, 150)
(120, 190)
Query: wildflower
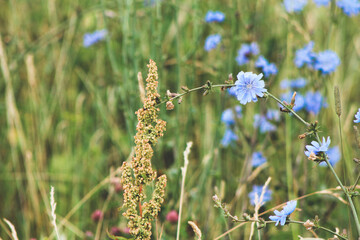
(257, 159)
(321, 2)
(246, 51)
(299, 100)
(97, 215)
(212, 41)
(257, 190)
(267, 68)
(334, 156)
(295, 83)
(88, 235)
(304, 55)
(326, 61)
(227, 116)
(280, 217)
(172, 216)
(314, 101)
(228, 137)
(92, 38)
(115, 231)
(248, 87)
(215, 16)
(317, 148)
(273, 114)
(263, 124)
(350, 7)
(357, 117)
(294, 5)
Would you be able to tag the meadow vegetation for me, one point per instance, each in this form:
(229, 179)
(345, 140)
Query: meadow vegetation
(73, 74)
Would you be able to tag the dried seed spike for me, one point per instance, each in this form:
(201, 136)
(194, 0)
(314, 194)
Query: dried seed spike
(337, 101)
(196, 229)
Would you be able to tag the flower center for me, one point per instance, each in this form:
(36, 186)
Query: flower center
(249, 86)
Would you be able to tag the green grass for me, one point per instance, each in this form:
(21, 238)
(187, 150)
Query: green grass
(68, 111)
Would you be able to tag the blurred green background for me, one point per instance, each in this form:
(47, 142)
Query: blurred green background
(67, 112)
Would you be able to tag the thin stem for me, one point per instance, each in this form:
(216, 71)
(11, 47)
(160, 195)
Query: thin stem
(356, 182)
(352, 206)
(297, 222)
(319, 227)
(289, 109)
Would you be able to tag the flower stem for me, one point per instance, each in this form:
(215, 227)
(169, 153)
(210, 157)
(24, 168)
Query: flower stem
(319, 227)
(289, 109)
(352, 206)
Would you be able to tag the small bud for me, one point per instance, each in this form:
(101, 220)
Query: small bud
(356, 160)
(169, 105)
(170, 94)
(337, 101)
(293, 100)
(309, 225)
(206, 92)
(180, 100)
(246, 216)
(185, 88)
(312, 156)
(215, 198)
(302, 136)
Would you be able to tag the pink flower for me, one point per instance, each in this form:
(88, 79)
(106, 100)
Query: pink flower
(97, 215)
(116, 231)
(172, 216)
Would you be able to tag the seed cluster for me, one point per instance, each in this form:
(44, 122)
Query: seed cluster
(138, 173)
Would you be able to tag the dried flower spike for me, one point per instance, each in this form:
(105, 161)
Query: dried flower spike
(137, 174)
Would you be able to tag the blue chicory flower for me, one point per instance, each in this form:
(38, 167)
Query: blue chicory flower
(357, 117)
(267, 68)
(299, 100)
(248, 87)
(273, 114)
(326, 61)
(263, 124)
(314, 101)
(227, 116)
(280, 217)
(215, 16)
(256, 191)
(92, 38)
(212, 41)
(334, 156)
(229, 137)
(246, 51)
(257, 159)
(316, 147)
(321, 2)
(295, 83)
(350, 7)
(294, 5)
(304, 55)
